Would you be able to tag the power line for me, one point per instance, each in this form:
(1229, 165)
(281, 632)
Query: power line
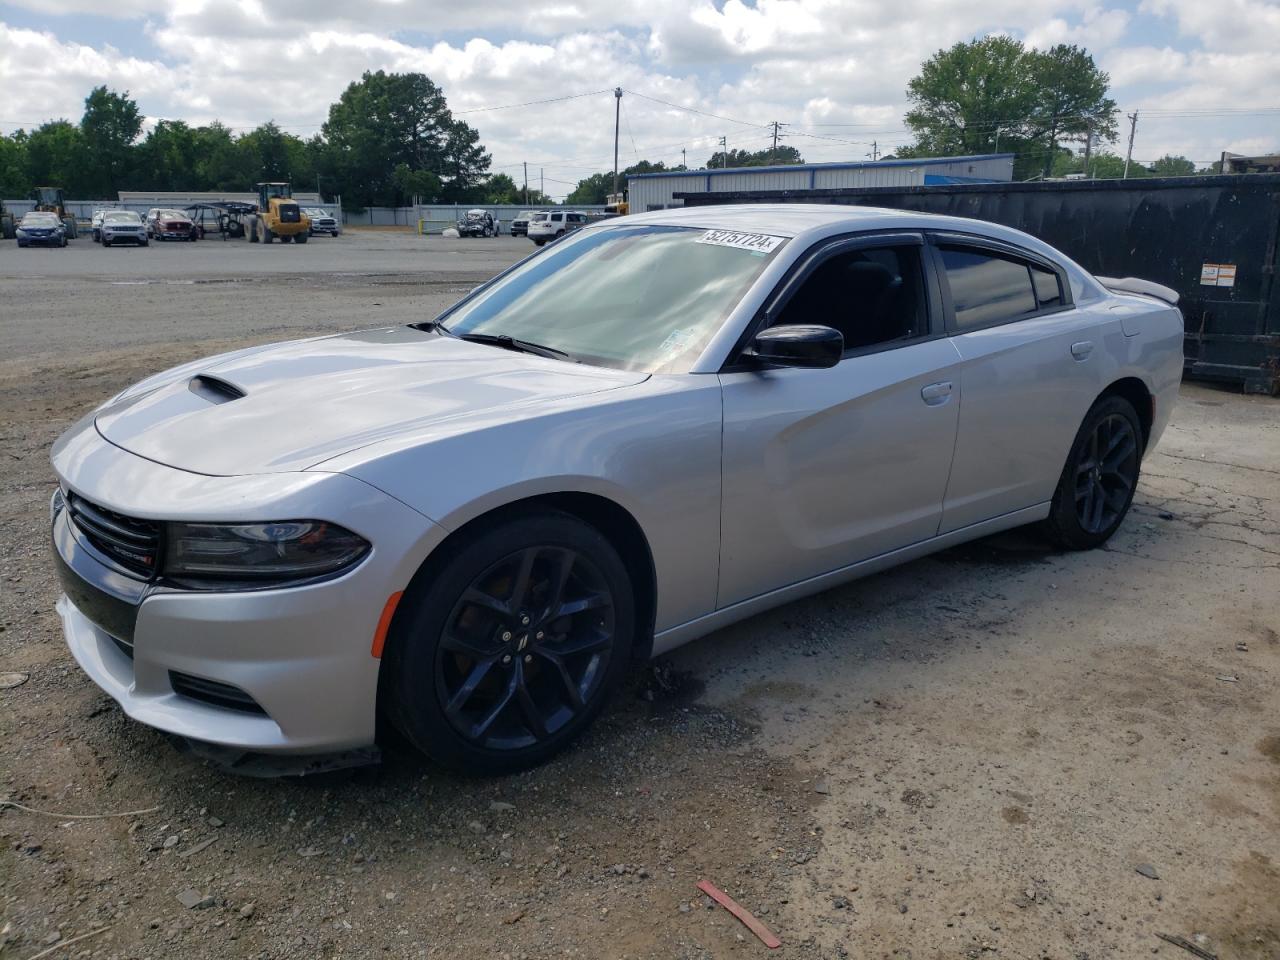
(528, 103)
(701, 113)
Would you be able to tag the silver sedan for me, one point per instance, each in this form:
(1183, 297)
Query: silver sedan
(655, 427)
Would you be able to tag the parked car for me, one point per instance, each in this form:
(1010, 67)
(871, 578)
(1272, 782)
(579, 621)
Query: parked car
(662, 424)
(42, 229)
(545, 227)
(477, 223)
(322, 221)
(122, 226)
(95, 224)
(520, 225)
(166, 224)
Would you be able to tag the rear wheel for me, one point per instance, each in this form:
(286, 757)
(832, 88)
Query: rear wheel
(301, 238)
(501, 657)
(70, 223)
(1098, 482)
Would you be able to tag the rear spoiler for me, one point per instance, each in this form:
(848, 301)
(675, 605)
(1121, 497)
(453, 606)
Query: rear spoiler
(1143, 287)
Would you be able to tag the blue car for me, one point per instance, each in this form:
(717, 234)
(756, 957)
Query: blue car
(41, 228)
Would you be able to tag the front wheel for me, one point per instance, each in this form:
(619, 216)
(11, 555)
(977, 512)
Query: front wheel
(301, 238)
(1098, 482)
(502, 653)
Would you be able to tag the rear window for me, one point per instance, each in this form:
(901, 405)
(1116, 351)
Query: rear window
(1048, 291)
(987, 288)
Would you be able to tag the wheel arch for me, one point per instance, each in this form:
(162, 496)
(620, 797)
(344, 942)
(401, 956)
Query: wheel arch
(1140, 398)
(613, 521)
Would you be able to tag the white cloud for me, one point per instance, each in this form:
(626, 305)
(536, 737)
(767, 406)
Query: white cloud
(834, 70)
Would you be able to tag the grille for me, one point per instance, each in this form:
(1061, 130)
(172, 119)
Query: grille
(213, 693)
(130, 542)
(289, 213)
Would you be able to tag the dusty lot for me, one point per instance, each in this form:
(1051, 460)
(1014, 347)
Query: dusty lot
(965, 757)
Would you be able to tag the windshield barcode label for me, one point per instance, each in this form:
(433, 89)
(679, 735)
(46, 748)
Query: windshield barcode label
(759, 242)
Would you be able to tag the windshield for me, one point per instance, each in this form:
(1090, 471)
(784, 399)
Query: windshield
(637, 298)
(124, 216)
(171, 214)
(41, 219)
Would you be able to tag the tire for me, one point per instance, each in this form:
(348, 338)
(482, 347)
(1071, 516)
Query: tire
(146, 243)
(1093, 497)
(71, 233)
(510, 687)
(267, 235)
(301, 238)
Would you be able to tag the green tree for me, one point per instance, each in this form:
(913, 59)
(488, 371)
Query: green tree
(1103, 165)
(1071, 100)
(595, 188)
(219, 164)
(993, 94)
(387, 119)
(268, 153)
(56, 157)
(14, 181)
(110, 125)
(970, 96)
(168, 159)
(783, 156)
(1171, 166)
(415, 185)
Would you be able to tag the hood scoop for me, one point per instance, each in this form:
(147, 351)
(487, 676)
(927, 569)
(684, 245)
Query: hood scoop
(214, 389)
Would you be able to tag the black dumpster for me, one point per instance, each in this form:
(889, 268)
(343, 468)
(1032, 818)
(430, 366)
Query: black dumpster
(1178, 231)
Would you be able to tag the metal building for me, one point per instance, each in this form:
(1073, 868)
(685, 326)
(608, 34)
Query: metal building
(656, 191)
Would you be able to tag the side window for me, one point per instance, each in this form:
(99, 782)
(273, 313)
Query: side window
(873, 296)
(987, 288)
(1048, 290)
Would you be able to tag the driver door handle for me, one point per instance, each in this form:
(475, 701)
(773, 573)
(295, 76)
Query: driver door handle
(936, 394)
(1081, 349)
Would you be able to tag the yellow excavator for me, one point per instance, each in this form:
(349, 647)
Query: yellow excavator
(278, 215)
(50, 200)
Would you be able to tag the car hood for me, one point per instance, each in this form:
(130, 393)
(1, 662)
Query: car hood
(290, 406)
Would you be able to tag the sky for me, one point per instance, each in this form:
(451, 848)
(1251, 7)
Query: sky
(1203, 75)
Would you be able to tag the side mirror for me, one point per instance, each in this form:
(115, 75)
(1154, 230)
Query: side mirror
(798, 345)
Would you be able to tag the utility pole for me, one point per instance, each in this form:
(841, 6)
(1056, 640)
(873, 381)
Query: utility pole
(617, 115)
(875, 151)
(684, 161)
(773, 150)
(997, 149)
(526, 183)
(724, 153)
(1133, 129)
(1088, 150)
(542, 182)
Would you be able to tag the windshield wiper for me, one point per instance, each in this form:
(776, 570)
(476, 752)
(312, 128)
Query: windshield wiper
(511, 343)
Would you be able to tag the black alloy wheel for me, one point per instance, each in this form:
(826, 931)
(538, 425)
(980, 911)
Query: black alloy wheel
(508, 643)
(1106, 475)
(525, 648)
(1098, 482)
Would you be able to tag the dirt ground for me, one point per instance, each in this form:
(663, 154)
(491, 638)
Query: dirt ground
(999, 751)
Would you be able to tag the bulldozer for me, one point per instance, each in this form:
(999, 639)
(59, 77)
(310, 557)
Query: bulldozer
(278, 215)
(8, 223)
(50, 200)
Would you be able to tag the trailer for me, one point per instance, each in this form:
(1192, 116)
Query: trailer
(1213, 239)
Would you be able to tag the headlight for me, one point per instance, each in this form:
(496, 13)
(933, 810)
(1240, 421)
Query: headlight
(20, 232)
(258, 554)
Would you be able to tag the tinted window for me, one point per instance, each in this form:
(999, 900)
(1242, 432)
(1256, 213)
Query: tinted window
(557, 217)
(987, 288)
(1048, 293)
(872, 296)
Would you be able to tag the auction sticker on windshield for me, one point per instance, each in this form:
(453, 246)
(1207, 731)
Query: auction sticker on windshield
(756, 242)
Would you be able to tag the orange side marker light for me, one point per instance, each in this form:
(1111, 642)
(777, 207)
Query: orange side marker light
(384, 623)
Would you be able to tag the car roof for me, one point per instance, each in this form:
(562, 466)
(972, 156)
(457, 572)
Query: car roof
(784, 219)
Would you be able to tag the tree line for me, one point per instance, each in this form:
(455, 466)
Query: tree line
(389, 139)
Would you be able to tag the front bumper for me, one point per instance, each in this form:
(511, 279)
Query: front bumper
(130, 236)
(300, 656)
(43, 240)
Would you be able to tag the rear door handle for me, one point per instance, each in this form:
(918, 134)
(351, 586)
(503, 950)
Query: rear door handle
(936, 394)
(1081, 349)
